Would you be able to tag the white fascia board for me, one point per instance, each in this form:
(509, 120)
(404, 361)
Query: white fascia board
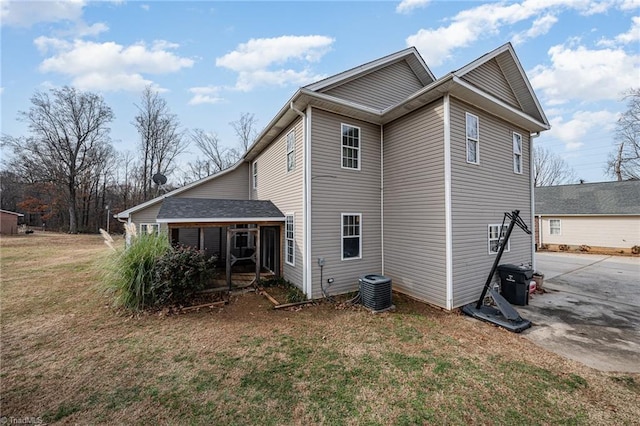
(222, 220)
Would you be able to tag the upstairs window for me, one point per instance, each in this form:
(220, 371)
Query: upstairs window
(351, 236)
(350, 147)
(254, 172)
(291, 151)
(290, 241)
(473, 139)
(496, 235)
(517, 153)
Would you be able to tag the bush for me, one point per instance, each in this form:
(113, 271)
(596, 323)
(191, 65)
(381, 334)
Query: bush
(563, 247)
(129, 272)
(179, 273)
(635, 249)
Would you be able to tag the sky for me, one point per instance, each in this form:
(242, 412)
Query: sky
(213, 61)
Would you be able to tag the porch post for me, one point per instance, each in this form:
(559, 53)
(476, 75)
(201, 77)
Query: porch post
(228, 270)
(257, 254)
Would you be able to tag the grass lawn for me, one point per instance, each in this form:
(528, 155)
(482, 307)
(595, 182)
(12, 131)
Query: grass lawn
(67, 356)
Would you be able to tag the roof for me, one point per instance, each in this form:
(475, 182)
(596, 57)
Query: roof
(125, 214)
(13, 213)
(189, 210)
(603, 198)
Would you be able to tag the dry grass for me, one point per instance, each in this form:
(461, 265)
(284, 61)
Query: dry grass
(68, 357)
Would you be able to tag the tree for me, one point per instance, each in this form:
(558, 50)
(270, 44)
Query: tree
(245, 130)
(549, 169)
(217, 157)
(624, 162)
(161, 140)
(69, 132)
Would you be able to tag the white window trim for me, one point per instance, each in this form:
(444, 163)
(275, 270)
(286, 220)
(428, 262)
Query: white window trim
(293, 240)
(519, 154)
(359, 149)
(292, 151)
(559, 226)
(254, 175)
(156, 225)
(489, 239)
(467, 138)
(342, 237)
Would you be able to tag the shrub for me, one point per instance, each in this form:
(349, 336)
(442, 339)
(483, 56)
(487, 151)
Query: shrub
(129, 272)
(584, 248)
(635, 249)
(563, 247)
(179, 273)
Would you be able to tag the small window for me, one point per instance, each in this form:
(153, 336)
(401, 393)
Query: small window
(149, 228)
(351, 236)
(291, 151)
(517, 153)
(473, 139)
(496, 237)
(289, 239)
(554, 226)
(350, 147)
(255, 174)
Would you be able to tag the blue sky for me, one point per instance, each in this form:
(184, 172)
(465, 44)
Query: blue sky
(213, 61)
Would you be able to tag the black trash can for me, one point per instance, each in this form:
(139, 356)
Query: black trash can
(375, 291)
(514, 283)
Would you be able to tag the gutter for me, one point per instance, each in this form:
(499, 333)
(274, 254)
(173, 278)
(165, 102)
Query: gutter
(532, 136)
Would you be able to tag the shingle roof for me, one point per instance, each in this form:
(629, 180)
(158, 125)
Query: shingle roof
(604, 198)
(176, 209)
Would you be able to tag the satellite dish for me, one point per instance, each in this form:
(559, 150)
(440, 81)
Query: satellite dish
(159, 179)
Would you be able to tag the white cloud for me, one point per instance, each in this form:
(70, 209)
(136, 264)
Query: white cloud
(145, 7)
(631, 36)
(437, 45)
(539, 27)
(109, 66)
(27, 13)
(587, 75)
(270, 60)
(630, 4)
(581, 125)
(205, 95)
(408, 6)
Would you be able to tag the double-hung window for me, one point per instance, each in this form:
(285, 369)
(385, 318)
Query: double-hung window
(473, 139)
(254, 172)
(289, 240)
(554, 226)
(517, 153)
(351, 236)
(291, 151)
(149, 228)
(350, 147)
(496, 236)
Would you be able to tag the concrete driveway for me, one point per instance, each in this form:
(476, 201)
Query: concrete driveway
(590, 311)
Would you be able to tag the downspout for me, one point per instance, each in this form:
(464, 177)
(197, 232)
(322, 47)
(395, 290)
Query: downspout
(306, 200)
(447, 202)
(382, 197)
(532, 136)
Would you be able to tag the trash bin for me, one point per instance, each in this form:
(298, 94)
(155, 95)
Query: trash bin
(375, 291)
(514, 283)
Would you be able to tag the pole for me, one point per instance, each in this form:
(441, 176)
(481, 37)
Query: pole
(108, 214)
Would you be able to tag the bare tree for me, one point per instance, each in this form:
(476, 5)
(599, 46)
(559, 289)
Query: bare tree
(624, 162)
(245, 129)
(161, 140)
(69, 133)
(218, 157)
(549, 169)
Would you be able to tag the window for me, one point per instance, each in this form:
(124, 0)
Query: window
(291, 151)
(351, 236)
(350, 147)
(517, 153)
(554, 226)
(149, 228)
(255, 174)
(289, 240)
(473, 139)
(495, 237)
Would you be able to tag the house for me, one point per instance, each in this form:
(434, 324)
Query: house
(604, 215)
(379, 169)
(9, 222)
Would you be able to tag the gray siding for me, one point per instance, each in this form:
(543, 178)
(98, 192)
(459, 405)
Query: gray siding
(232, 185)
(519, 86)
(382, 88)
(147, 215)
(414, 209)
(490, 78)
(480, 196)
(285, 190)
(335, 190)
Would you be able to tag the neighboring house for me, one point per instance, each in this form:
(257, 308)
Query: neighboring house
(9, 222)
(380, 169)
(598, 215)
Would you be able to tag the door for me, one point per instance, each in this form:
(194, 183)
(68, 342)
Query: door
(270, 241)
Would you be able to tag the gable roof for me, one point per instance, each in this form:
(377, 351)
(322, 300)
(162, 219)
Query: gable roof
(603, 198)
(125, 214)
(10, 212)
(189, 210)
